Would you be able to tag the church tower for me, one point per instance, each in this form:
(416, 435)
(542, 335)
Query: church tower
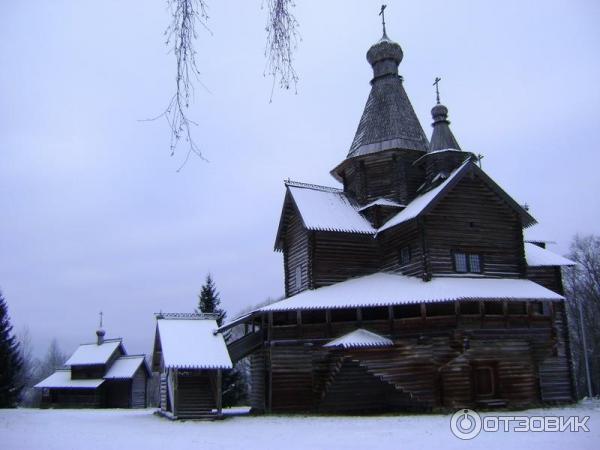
(389, 138)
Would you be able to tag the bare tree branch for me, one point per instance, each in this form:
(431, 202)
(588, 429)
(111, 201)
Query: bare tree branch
(282, 40)
(186, 16)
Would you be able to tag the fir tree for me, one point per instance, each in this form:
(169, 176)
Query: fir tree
(10, 360)
(209, 300)
(233, 382)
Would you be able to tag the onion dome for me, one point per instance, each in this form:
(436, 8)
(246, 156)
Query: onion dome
(442, 137)
(385, 56)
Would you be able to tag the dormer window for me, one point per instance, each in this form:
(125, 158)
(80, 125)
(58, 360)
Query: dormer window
(467, 262)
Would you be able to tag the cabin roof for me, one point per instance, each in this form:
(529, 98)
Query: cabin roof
(92, 354)
(62, 379)
(323, 208)
(425, 202)
(191, 343)
(126, 366)
(384, 289)
(360, 338)
(538, 256)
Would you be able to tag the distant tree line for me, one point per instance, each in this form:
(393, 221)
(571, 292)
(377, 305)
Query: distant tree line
(582, 288)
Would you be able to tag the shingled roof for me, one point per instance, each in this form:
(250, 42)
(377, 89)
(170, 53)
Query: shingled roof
(388, 120)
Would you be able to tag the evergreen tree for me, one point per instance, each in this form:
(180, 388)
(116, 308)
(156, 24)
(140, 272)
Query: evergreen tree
(10, 360)
(233, 381)
(209, 300)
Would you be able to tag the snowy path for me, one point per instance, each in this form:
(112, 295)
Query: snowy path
(125, 429)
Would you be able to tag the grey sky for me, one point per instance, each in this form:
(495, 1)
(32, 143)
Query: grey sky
(94, 215)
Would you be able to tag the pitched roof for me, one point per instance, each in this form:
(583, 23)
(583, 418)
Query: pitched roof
(126, 367)
(325, 209)
(360, 338)
(538, 256)
(425, 202)
(191, 343)
(384, 289)
(90, 354)
(62, 379)
(388, 121)
(442, 137)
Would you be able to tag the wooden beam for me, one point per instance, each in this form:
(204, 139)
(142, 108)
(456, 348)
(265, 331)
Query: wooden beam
(219, 399)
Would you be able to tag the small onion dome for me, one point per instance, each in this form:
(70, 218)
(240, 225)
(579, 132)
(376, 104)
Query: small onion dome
(385, 48)
(384, 57)
(439, 113)
(100, 335)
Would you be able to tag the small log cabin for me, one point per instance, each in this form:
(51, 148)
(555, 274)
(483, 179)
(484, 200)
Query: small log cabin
(190, 355)
(98, 375)
(411, 287)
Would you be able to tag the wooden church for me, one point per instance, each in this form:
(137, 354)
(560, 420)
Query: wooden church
(410, 288)
(98, 375)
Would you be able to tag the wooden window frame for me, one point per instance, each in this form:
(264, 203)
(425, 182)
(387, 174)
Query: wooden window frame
(468, 256)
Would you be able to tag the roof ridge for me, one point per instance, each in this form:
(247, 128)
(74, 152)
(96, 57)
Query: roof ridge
(319, 187)
(104, 342)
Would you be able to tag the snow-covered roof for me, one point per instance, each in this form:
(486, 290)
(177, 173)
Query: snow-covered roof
(125, 367)
(90, 354)
(190, 343)
(360, 338)
(382, 202)
(383, 289)
(538, 256)
(424, 202)
(327, 209)
(417, 206)
(62, 379)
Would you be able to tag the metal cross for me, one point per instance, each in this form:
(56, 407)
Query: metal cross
(101, 319)
(382, 14)
(437, 89)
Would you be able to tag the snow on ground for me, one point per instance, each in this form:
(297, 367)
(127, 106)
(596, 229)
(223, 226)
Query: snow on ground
(141, 429)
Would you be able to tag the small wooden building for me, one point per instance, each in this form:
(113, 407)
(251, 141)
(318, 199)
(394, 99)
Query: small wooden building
(98, 375)
(190, 355)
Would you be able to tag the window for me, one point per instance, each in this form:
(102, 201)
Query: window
(460, 262)
(467, 262)
(298, 278)
(474, 264)
(404, 256)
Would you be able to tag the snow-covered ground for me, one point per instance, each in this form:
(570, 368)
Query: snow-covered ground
(139, 429)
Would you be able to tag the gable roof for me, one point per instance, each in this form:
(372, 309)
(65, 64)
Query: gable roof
(126, 366)
(360, 338)
(92, 354)
(62, 379)
(191, 343)
(323, 208)
(538, 257)
(385, 289)
(427, 201)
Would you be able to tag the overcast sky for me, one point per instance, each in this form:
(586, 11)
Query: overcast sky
(95, 217)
